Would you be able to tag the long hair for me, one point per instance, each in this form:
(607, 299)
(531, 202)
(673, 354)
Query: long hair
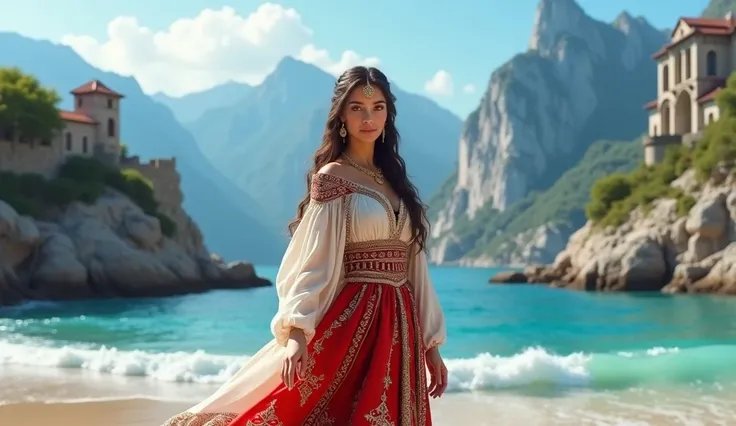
(386, 154)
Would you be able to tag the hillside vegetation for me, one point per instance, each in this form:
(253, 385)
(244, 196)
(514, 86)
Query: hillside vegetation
(83, 180)
(613, 197)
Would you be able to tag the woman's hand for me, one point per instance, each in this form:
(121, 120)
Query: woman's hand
(437, 372)
(295, 358)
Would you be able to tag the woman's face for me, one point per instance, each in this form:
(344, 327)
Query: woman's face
(365, 117)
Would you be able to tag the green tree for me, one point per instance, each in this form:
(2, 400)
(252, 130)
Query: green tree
(27, 109)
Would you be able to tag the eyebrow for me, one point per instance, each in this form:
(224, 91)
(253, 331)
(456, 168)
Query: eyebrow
(361, 103)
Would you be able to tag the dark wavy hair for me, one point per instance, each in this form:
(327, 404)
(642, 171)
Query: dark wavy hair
(386, 154)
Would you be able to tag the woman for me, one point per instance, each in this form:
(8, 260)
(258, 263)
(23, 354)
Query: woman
(358, 318)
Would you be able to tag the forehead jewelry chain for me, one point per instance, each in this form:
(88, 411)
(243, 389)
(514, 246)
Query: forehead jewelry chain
(368, 90)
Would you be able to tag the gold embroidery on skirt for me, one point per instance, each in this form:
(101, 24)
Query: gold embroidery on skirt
(266, 417)
(318, 414)
(312, 382)
(379, 416)
(408, 411)
(201, 419)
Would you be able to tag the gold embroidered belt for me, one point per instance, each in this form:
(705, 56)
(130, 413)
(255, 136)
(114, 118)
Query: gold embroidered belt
(379, 261)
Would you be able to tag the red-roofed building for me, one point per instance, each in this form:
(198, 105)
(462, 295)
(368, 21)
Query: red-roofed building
(91, 129)
(691, 69)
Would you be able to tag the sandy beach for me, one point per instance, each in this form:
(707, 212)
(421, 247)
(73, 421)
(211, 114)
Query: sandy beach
(451, 410)
(134, 412)
(131, 412)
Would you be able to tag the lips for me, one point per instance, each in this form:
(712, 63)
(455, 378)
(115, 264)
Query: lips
(368, 130)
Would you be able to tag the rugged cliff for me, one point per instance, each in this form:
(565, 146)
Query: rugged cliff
(580, 81)
(109, 248)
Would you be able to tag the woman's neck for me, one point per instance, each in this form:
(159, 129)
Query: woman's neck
(361, 154)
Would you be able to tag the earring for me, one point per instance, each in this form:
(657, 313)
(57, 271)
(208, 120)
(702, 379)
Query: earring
(343, 132)
(383, 136)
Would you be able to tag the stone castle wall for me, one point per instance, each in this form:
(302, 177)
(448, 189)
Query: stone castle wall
(21, 157)
(166, 181)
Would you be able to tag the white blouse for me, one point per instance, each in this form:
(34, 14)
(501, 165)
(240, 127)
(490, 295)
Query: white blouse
(311, 272)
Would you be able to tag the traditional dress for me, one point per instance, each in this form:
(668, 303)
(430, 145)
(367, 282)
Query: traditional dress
(362, 294)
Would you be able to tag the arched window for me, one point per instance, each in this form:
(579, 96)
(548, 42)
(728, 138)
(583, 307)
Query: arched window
(711, 63)
(111, 127)
(68, 141)
(665, 78)
(84, 144)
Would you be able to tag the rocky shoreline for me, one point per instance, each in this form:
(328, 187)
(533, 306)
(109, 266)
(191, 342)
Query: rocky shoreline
(108, 249)
(655, 250)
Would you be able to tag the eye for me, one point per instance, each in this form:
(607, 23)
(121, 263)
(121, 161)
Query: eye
(355, 108)
(379, 108)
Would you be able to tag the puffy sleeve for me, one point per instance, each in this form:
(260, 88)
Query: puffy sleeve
(311, 269)
(431, 317)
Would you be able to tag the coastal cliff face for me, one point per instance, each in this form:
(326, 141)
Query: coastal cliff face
(658, 249)
(109, 248)
(580, 81)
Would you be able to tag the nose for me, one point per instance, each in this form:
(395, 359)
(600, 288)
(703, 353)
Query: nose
(367, 117)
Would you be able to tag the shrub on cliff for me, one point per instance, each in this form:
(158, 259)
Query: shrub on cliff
(12, 192)
(31, 194)
(613, 197)
(27, 110)
(136, 186)
(605, 192)
(128, 181)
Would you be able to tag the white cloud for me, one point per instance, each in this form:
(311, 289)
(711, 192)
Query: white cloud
(469, 88)
(321, 58)
(440, 84)
(216, 46)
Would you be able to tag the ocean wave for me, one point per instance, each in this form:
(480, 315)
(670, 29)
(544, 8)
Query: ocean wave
(531, 368)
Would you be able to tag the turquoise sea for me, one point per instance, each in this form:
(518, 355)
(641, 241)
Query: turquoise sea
(506, 343)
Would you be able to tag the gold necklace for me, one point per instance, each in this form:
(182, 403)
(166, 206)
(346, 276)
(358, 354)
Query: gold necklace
(377, 176)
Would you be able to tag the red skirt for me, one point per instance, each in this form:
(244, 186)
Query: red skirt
(365, 366)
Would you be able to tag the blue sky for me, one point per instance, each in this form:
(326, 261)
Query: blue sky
(412, 39)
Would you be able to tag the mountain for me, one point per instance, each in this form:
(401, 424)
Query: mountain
(265, 141)
(719, 8)
(190, 107)
(580, 81)
(230, 220)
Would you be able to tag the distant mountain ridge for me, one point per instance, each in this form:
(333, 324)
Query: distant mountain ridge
(233, 224)
(190, 107)
(265, 141)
